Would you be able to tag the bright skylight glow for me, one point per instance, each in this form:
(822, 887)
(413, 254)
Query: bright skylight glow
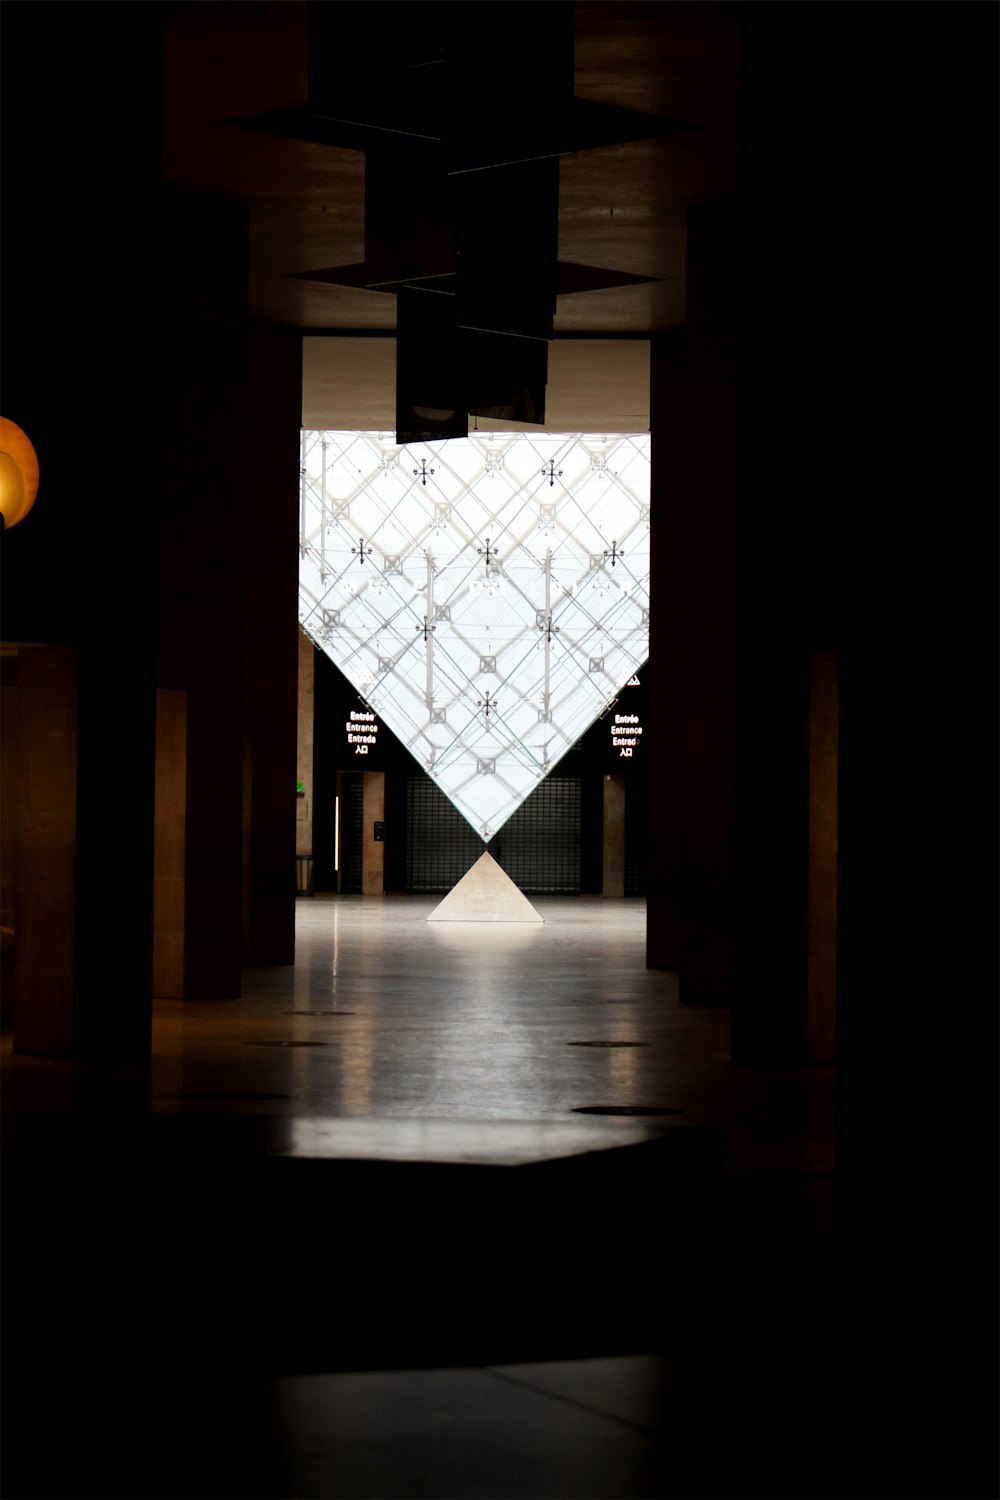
(486, 596)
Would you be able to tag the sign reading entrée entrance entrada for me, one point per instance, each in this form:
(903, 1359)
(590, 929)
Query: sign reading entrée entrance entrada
(362, 731)
(625, 732)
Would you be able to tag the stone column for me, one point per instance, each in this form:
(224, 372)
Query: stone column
(613, 885)
(372, 850)
(45, 917)
(8, 829)
(203, 521)
(822, 949)
(693, 621)
(79, 573)
(169, 861)
(271, 650)
(306, 737)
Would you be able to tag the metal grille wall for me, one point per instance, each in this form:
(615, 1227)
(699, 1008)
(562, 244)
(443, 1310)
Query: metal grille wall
(539, 846)
(440, 844)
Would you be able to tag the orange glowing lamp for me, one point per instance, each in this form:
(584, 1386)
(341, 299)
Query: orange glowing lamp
(18, 474)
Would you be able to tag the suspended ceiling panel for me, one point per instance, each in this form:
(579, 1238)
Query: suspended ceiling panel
(621, 207)
(595, 385)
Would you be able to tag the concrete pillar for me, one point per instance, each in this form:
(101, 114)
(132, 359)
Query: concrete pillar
(693, 621)
(271, 560)
(201, 634)
(373, 850)
(613, 884)
(213, 882)
(248, 842)
(69, 876)
(45, 917)
(306, 737)
(665, 774)
(861, 418)
(169, 861)
(822, 940)
(80, 572)
(8, 829)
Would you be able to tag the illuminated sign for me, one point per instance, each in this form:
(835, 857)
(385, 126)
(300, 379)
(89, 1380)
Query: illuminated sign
(626, 732)
(362, 731)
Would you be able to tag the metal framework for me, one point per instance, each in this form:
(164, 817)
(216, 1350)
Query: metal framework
(487, 597)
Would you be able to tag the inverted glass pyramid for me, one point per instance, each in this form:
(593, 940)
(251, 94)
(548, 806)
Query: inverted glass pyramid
(486, 596)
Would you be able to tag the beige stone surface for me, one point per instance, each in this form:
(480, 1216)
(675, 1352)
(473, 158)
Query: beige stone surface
(485, 893)
(594, 385)
(372, 853)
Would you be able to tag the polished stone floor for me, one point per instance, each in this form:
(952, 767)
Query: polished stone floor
(386, 1256)
(385, 1017)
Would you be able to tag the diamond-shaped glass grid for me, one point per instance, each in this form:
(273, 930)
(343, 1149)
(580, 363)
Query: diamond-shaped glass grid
(487, 597)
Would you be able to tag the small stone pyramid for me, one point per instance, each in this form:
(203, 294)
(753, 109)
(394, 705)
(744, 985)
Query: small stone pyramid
(485, 893)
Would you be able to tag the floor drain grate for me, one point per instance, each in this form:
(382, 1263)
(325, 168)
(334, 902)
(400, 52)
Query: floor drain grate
(319, 1012)
(607, 1044)
(286, 1044)
(623, 1109)
(232, 1096)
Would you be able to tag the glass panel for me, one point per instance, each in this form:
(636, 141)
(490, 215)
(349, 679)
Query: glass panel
(486, 596)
